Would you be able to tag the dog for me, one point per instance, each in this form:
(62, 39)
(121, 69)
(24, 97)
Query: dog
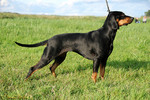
(95, 45)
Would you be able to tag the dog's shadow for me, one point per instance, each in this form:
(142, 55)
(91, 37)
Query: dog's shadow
(128, 64)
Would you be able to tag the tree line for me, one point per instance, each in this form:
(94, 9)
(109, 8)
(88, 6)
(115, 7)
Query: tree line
(147, 13)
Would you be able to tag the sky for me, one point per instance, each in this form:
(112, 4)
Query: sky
(135, 8)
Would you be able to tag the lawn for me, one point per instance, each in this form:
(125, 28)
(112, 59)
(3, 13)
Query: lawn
(127, 74)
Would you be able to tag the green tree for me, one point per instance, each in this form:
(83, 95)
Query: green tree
(147, 13)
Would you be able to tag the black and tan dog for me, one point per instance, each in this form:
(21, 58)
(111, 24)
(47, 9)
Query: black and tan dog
(96, 45)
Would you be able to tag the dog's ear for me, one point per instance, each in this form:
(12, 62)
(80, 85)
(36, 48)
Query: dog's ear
(114, 23)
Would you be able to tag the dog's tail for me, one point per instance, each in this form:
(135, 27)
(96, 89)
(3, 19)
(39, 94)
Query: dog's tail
(33, 45)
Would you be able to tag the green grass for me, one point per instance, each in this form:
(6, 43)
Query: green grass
(127, 72)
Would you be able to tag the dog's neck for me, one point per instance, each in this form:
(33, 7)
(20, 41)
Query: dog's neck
(111, 33)
(107, 27)
(111, 23)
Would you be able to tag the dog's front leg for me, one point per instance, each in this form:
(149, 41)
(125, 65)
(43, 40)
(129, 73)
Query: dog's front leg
(102, 69)
(96, 64)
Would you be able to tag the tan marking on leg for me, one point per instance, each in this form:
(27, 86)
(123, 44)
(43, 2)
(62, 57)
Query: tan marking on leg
(54, 73)
(30, 74)
(94, 76)
(102, 71)
(53, 67)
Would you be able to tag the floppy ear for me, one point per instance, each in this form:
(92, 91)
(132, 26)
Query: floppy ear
(114, 23)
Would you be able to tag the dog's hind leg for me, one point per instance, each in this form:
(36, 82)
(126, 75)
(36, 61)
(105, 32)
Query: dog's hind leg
(35, 68)
(46, 58)
(58, 61)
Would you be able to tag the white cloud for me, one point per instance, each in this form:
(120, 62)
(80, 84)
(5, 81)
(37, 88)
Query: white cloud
(74, 7)
(3, 3)
(81, 7)
(118, 0)
(72, 2)
(34, 2)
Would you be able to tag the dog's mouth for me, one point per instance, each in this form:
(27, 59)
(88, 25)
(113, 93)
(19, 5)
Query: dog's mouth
(126, 24)
(131, 20)
(126, 21)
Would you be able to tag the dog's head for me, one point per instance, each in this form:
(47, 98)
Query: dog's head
(116, 19)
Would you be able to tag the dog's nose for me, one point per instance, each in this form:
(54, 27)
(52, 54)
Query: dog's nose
(132, 18)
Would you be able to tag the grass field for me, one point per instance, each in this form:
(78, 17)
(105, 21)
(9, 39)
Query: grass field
(127, 72)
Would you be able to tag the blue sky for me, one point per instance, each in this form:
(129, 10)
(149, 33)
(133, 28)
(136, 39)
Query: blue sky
(134, 8)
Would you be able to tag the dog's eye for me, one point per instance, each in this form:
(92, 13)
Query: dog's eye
(117, 17)
(122, 17)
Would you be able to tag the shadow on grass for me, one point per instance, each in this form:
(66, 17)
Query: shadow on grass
(132, 64)
(128, 64)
